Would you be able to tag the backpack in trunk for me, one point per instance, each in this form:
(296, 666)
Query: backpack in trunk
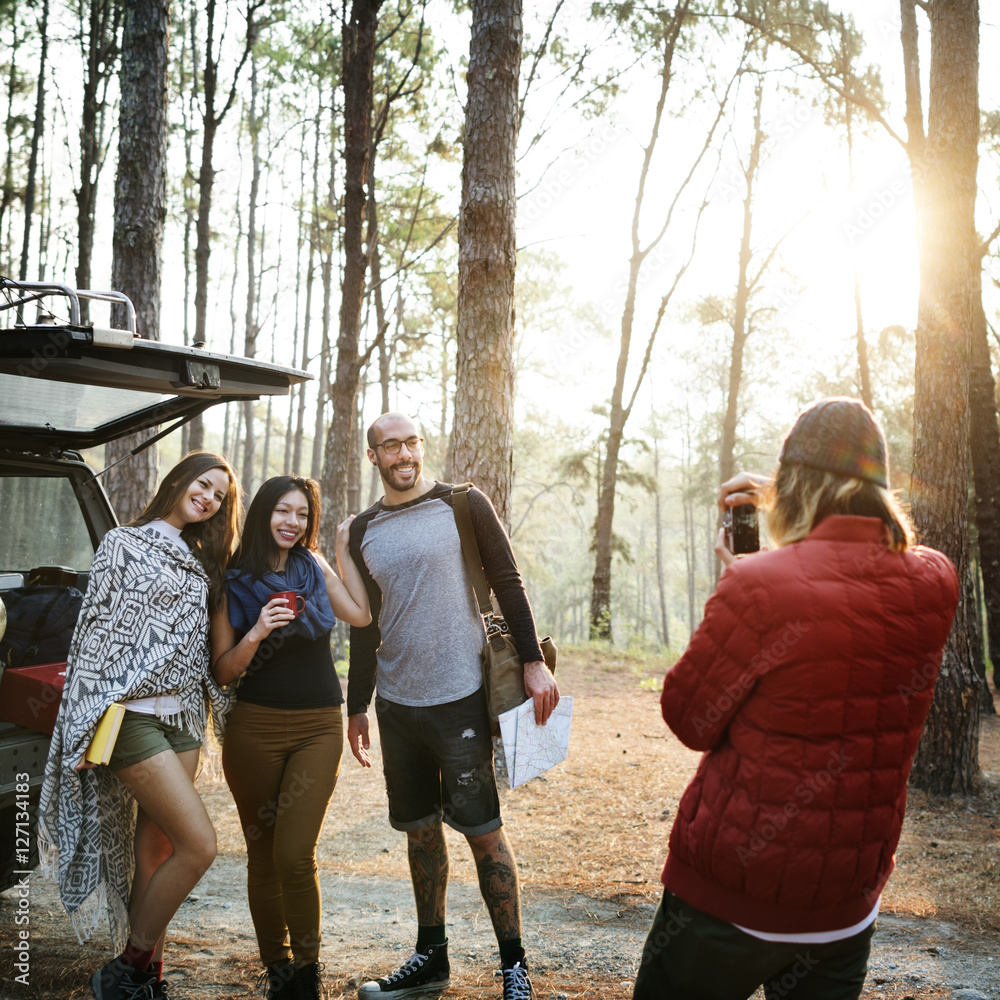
(40, 623)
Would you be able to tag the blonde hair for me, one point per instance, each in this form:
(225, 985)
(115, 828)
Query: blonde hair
(802, 497)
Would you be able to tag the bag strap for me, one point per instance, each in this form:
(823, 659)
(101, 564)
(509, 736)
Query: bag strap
(470, 547)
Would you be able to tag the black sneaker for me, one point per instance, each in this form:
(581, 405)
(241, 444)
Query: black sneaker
(120, 981)
(418, 974)
(516, 984)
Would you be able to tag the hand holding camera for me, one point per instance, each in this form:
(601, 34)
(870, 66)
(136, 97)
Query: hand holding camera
(738, 498)
(742, 529)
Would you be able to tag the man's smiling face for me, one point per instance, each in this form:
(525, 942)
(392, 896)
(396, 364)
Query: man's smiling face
(401, 471)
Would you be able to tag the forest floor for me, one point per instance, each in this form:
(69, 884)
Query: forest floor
(590, 837)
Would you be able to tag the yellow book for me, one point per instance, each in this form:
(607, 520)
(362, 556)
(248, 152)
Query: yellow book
(103, 743)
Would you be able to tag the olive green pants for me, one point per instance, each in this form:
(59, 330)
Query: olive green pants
(690, 955)
(282, 766)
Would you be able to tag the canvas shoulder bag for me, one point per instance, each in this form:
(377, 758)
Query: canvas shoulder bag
(503, 669)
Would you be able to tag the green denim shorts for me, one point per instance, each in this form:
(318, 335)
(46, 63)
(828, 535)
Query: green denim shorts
(143, 736)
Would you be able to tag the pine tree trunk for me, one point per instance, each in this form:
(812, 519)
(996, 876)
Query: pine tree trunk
(193, 432)
(358, 58)
(250, 340)
(323, 388)
(100, 55)
(660, 581)
(211, 119)
(36, 139)
(483, 436)
(7, 196)
(140, 208)
(944, 181)
(864, 369)
(203, 226)
(861, 345)
(985, 453)
(600, 594)
(727, 458)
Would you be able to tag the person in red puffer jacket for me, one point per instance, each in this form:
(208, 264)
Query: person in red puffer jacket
(807, 684)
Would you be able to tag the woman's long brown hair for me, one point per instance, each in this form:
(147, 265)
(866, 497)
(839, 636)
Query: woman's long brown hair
(211, 541)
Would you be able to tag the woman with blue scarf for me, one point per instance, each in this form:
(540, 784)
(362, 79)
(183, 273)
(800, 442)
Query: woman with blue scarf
(285, 737)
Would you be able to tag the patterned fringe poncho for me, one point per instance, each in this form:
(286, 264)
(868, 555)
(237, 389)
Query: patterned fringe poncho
(142, 631)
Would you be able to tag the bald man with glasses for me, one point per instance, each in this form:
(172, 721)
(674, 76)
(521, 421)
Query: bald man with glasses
(422, 653)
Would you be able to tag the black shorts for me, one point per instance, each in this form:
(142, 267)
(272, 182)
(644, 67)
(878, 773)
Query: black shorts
(438, 763)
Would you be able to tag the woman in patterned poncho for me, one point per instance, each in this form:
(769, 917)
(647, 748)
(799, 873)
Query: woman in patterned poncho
(133, 837)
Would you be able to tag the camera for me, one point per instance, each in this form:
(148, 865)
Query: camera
(742, 531)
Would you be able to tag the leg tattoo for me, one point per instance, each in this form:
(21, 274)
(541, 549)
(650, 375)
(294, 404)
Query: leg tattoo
(498, 883)
(428, 855)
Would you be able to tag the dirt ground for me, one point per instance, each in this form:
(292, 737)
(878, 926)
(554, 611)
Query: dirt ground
(590, 837)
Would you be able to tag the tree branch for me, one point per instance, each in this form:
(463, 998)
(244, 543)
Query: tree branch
(539, 52)
(663, 305)
(825, 74)
(984, 247)
(704, 149)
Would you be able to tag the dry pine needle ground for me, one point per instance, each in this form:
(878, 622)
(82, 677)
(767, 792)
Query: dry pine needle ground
(595, 827)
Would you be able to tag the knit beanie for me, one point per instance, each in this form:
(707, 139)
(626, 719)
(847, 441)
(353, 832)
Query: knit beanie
(839, 435)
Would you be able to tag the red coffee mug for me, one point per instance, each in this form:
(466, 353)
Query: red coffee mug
(293, 601)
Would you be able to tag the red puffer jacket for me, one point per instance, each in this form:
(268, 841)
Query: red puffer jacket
(807, 682)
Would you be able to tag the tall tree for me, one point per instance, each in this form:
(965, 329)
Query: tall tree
(847, 54)
(99, 47)
(745, 282)
(358, 58)
(186, 84)
(846, 45)
(15, 83)
(140, 208)
(985, 438)
(325, 222)
(658, 33)
(985, 454)
(944, 162)
(36, 139)
(482, 440)
(661, 587)
(212, 118)
(250, 318)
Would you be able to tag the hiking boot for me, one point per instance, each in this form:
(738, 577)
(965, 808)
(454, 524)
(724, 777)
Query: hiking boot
(418, 974)
(307, 983)
(120, 981)
(277, 982)
(516, 984)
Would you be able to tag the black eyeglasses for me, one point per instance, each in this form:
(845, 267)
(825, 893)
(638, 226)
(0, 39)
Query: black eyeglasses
(391, 446)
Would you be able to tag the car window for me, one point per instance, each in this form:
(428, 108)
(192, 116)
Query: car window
(32, 402)
(42, 525)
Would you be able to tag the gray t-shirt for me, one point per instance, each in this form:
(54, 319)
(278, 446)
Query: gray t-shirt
(424, 644)
(432, 633)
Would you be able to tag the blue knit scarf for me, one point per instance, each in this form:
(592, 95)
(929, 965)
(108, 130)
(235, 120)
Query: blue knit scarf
(248, 594)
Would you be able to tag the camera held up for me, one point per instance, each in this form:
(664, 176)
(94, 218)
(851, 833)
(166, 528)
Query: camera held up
(742, 530)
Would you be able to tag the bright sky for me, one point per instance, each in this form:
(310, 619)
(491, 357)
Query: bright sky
(584, 209)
